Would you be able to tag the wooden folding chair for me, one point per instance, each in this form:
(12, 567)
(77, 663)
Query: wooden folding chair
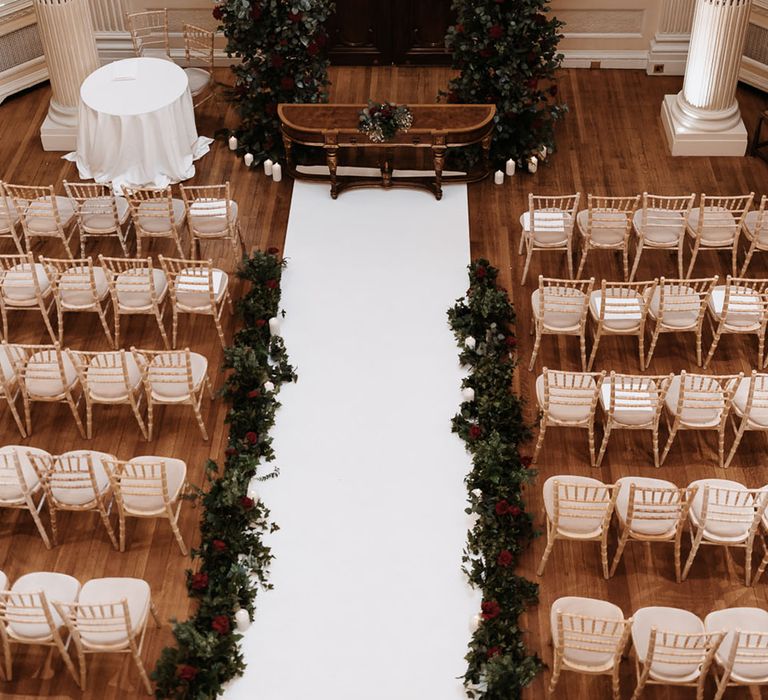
(198, 52)
(25, 286)
(156, 213)
(100, 213)
(149, 33)
(9, 220)
(212, 215)
(21, 483)
(750, 405)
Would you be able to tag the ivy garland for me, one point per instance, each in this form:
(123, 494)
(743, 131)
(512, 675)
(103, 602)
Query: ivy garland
(491, 424)
(234, 560)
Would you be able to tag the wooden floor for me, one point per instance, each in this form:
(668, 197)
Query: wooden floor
(610, 143)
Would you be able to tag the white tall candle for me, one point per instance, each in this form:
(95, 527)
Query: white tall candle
(248, 160)
(510, 167)
(233, 143)
(268, 167)
(468, 393)
(543, 152)
(243, 620)
(533, 164)
(277, 172)
(498, 177)
(269, 387)
(274, 325)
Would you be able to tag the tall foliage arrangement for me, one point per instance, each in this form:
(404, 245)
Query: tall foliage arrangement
(282, 47)
(233, 558)
(491, 424)
(506, 52)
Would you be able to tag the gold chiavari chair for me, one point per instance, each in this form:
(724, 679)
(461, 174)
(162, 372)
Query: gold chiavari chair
(137, 287)
(197, 287)
(620, 308)
(77, 481)
(699, 402)
(212, 215)
(156, 213)
(78, 286)
(28, 618)
(755, 230)
(577, 508)
(175, 377)
(149, 33)
(567, 400)
(43, 214)
(750, 405)
(198, 51)
(672, 648)
(724, 513)
(678, 306)
(605, 225)
(650, 510)
(150, 487)
(21, 483)
(111, 378)
(589, 636)
(740, 306)
(560, 308)
(660, 224)
(716, 225)
(742, 657)
(110, 616)
(100, 213)
(11, 358)
(632, 402)
(25, 286)
(9, 220)
(548, 226)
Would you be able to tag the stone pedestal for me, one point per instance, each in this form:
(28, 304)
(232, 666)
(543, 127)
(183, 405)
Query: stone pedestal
(70, 52)
(704, 119)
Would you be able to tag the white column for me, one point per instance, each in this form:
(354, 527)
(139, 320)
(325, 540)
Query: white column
(669, 47)
(704, 119)
(70, 52)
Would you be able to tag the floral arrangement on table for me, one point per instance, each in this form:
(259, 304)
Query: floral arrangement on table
(233, 557)
(380, 121)
(491, 424)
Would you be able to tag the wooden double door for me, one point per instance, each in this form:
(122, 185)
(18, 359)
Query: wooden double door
(382, 32)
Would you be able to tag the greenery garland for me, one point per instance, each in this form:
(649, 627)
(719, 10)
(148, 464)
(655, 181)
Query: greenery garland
(491, 424)
(234, 560)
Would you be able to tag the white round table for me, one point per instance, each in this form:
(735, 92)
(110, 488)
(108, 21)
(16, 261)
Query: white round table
(137, 125)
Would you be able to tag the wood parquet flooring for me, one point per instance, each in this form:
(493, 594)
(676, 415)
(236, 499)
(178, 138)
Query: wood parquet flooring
(611, 142)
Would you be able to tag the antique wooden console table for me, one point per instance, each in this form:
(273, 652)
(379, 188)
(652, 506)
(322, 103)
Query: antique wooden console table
(437, 127)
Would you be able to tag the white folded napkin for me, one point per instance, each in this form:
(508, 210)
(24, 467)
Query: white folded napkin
(125, 70)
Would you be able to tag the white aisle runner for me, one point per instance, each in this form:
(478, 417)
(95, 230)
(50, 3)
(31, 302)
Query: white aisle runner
(369, 602)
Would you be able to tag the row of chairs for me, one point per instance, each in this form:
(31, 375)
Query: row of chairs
(637, 402)
(563, 308)
(88, 481)
(207, 212)
(131, 286)
(103, 615)
(718, 511)
(50, 373)
(672, 646)
(659, 223)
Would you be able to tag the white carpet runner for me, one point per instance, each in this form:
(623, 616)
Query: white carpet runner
(370, 602)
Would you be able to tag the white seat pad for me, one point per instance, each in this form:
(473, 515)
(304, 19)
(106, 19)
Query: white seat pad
(192, 290)
(209, 216)
(176, 473)
(622, 313)
(176, 386)
(199, 79)
(10, 355)
(582, 527)
(106, 379)
(728, 519)
(719, 225)
(634, 405)
(9, 215)
(152, 216)
(44, 375)
(133, 288)
(75, 287)
(745, 307)
(759, 412)
(97, 214)
(567, 405)
(663, 227)
(751, 222)
(646, 519)
(563, 314)
(733, 621)
(82, 493)
(57, 587)
(10, 489)
(19, 286)
(681, 305)
(41, 220)
(700, 407)
(112, 590)
(608, 227)
(551, 228)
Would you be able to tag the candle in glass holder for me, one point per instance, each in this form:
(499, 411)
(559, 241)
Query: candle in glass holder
(233, 143)
(274, 326)
(510, 167)
(498, 177)
(468, 393)
(543, 152)
(470, 342)
(268, 167)
(277, 172)
(248, 160)
(269, 387)
(243, 620)
(533, 164)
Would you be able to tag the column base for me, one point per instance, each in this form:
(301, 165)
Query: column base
(685, 139)
(668, 54)
(59, 130)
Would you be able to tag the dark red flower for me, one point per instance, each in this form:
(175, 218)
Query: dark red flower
(313, 48)
(493, 651)
(283, 42)
(481, 271)
(533, 83)
(261, 322)
(270, 108)
(256, 11)
(505, 558)
(553, 90)
(271, 284)
(220, 624)
(452, 97)
(514, 511)
(199, 581)
(185, 672)
(526, 461)
(277, 60)
(475, 431)
(502, 507)
(252, 437)
(511, 341)
(486, 53)
(321, 39)
(540, 19)
(295, 17)
(217, 13)
(230, 451)
(459, 28)
(531, 58)
(219, 545)
(273, 251)
(287, 82)
(246, 502)
(254, 394)
(490, 609)
(496, 31)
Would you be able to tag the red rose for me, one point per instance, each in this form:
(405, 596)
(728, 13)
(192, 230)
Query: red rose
(540, 19)
(511, 341)
(505, 558)
(261, 322)
(295, 17)
(533, 83)
(496, 31)
(553, 90)
(526, 461)
(273, 251)
(199, 581)
(246, 502)
(217, 13)
(459, 28)
(230, 451)
(256, 11)
(321, 39)
(271, 284)
(283, 42)
(270, 108)
(313, 48)
(475, 431)
(220, 624)
(287, 83)
(252, 437)
(219, 545)
(493, 651)
(486, 53)
(490, 609)
(514, 511)
(254, 394)
(502, 507)
(481, 271)
(531, 58)
(277, 60)
(185, 672)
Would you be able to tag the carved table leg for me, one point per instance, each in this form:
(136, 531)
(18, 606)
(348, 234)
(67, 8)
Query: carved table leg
(288, 154)
(438, 155)
(331, 157)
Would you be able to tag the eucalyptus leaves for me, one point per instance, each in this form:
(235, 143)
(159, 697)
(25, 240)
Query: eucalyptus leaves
(380, 121)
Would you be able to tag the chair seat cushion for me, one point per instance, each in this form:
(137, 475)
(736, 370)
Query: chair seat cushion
(106, 378)
(40, 220)
(730, 514)
(44, 377)
(702, 404)
(561, 313)
(635, 405)
(752, 664)
(719, 226)
(9, 215)
(662, 229)
(745, 307)
(57, 587)
(192, 291)
(112, 590)
(622, 312)
(758, 414)
(551, 228)
(18, 285)
(652, 512)
(153, 216)
(751, 224)
(170, 383)
(75, 287)
(575, 408)
(199, 79)
(134, 291)
(575, 487)
(146, 503)
(209, 216)
(10, 357)
(681, 305)
(608, 227)
(97, 215)
(10, 489)
(74, 488)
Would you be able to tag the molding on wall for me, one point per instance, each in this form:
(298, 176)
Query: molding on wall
(582, 58)
(670, 51)
(22, 76)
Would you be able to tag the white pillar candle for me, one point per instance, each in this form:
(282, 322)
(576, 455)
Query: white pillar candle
(498, 177)
(277, 172)
(474, 623)
(268, 167)
(274, 326)
(269, 386)
(253, 489)
(233, 143)
(468, 393)
(510, 167)
(248, 160)
(477, 493)
(470, 342)
(543, 152)
(243, 620)
(533, 164)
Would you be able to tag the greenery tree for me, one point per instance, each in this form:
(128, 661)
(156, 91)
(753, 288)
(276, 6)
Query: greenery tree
(281, 44)
(506, 52)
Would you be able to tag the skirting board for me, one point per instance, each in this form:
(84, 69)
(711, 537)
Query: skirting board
(23, 76)
(584, 58)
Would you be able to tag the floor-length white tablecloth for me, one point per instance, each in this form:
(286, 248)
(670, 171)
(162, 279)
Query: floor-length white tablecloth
(137, 125)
